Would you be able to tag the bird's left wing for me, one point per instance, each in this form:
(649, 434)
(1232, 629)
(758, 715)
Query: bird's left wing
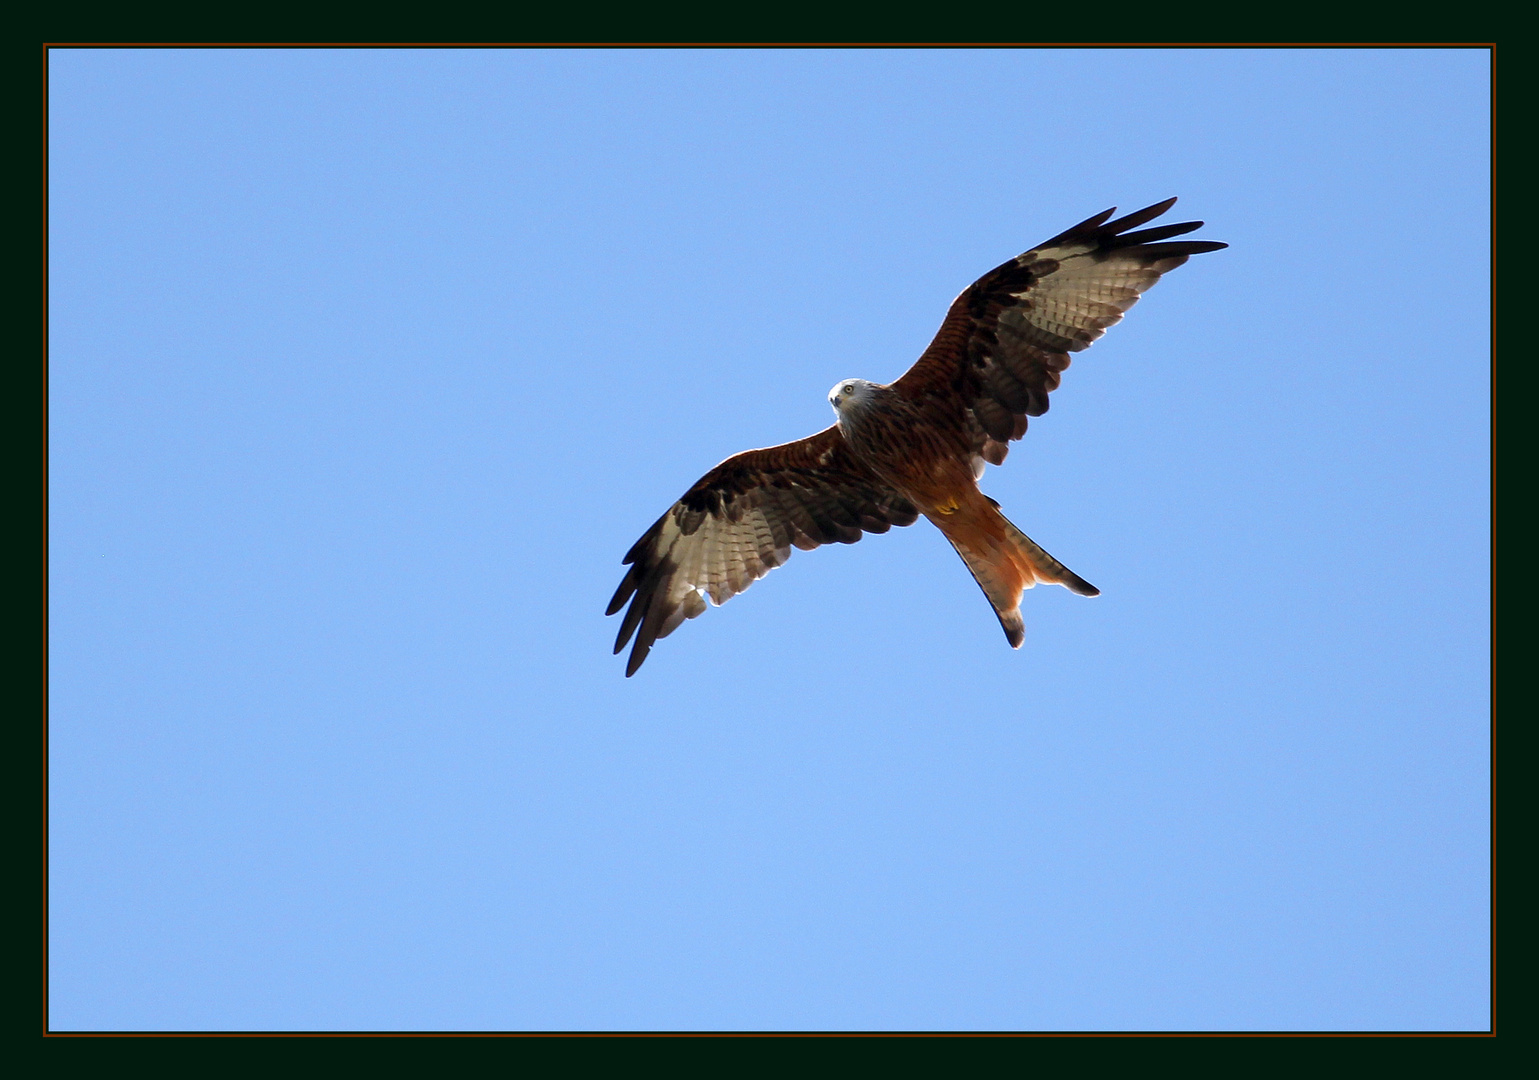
(1007, 338)
(739, 522)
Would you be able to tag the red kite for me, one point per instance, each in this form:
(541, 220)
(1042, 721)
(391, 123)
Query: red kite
(915, 446)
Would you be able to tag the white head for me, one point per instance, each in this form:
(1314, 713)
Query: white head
(850, 392)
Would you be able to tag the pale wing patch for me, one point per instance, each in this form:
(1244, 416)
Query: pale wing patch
(1082, 296)
(717, 561)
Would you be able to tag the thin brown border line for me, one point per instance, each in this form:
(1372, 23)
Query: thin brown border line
(773, 1034)
(47, 712)
(769, 45)
(1491, 555)
(1491, 454)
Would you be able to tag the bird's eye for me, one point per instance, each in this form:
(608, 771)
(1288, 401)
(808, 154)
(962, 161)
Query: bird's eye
(849, 389)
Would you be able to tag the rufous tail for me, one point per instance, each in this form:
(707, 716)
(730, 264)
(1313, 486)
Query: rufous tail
(1004, 561)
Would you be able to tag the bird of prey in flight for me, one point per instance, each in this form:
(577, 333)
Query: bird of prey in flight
(911, 447)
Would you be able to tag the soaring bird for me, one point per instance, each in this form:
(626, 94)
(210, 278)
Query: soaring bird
(911, 447)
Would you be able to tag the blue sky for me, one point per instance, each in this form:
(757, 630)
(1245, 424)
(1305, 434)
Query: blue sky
(366, 367)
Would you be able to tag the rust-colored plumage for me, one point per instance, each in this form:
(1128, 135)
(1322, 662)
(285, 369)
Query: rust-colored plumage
(916, 446)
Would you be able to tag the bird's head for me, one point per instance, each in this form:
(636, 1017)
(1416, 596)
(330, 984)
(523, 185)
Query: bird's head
(849, 392)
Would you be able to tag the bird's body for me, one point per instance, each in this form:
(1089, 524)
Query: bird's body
(923, 451)
(913, 447)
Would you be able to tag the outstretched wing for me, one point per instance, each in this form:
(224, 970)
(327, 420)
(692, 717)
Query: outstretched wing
(1007, 338)
(739, 522)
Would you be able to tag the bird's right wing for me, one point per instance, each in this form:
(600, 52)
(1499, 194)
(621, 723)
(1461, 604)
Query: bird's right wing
(1006, 340)
(739, 522)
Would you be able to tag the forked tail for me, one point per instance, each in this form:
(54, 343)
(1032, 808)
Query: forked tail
(1004, 561)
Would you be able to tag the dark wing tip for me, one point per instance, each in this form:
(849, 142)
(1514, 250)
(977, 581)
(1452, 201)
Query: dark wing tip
(632, 620)
(1106, 233)
(1149, 236)
(638, 654)
(1137, 217)
(1180, 248)
(1114, 235)
(1089, 227)
(623, 593)
(1095, 221)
